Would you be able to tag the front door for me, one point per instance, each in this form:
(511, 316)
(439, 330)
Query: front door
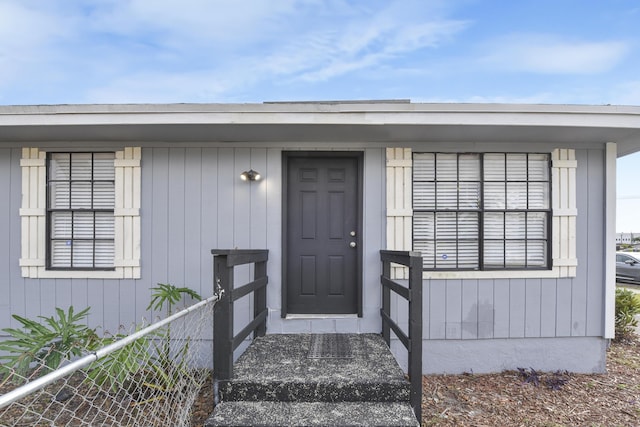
(322, 233)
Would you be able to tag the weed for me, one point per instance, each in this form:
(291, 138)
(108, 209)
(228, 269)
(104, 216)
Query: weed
(554, 381)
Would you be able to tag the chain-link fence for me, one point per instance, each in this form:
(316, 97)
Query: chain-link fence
(148, 377)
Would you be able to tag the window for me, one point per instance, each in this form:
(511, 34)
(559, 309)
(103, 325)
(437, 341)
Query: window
(80, 214)
(482, 211)
(80, 210)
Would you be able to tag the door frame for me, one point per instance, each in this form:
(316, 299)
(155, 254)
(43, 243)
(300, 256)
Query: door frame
(359, 157)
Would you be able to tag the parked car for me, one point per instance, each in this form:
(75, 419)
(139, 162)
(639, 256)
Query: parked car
(628, 266)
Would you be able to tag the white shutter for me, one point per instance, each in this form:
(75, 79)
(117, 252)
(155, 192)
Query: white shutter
(563, 204)
(399, 203)
(127, 212)
(33, 211)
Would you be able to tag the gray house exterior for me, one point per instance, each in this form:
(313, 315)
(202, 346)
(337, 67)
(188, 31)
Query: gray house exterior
(176, 194)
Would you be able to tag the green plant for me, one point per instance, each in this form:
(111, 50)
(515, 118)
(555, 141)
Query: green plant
(119, 366)
(171, 295)
(52, 341)
(166, 370)
(627, 307)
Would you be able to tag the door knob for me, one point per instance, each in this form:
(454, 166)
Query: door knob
(352, 244)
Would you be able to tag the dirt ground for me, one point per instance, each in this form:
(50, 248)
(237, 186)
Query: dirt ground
(518, 398)
(539, 399)
(525, 398)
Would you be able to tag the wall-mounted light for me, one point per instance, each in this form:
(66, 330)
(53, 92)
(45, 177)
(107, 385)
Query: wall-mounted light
(250, 175)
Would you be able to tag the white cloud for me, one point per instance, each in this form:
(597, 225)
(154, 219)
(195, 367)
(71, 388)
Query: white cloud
(548, 54)
(140, 50)
(366, 42)
(26, 37)
(289, 41)
(193, 23)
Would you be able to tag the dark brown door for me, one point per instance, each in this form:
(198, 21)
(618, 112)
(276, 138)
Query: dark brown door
(322, 236)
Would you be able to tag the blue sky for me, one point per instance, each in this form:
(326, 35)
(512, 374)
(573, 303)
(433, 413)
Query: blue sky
(146, 51)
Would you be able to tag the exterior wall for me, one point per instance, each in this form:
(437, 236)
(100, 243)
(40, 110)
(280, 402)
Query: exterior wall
(503, 322)
(192, 201)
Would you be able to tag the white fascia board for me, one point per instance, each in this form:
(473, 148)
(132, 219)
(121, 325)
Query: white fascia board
(326, 113)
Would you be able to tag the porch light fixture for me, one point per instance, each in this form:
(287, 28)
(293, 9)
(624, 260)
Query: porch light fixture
(250, 175)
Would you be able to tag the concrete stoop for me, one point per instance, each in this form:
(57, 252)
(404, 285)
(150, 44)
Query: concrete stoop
(276, 383)
(313, 414)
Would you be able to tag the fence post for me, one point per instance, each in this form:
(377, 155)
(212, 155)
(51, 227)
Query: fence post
(386, 302)
(260, 299)
(223, 320)
(415, 332)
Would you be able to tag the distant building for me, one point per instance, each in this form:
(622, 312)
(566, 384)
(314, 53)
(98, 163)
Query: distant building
(626, 238)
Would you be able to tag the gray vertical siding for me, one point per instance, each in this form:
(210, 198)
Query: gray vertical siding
(5, 243)
(16, 286)
(192, 201)
(532, 308)
(591, 242)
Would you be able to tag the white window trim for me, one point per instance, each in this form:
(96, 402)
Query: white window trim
(126, 213)
(563, 205)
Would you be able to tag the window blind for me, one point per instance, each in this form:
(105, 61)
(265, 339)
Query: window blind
(81, 201)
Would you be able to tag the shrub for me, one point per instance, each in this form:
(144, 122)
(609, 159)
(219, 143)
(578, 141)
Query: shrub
(627, 307)
(51, 342)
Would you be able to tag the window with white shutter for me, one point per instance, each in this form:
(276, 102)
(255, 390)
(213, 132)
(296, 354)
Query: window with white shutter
(81, 214)
(486, 211)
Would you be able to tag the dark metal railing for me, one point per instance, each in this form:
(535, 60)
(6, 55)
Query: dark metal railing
(224, 342)
(413, 294)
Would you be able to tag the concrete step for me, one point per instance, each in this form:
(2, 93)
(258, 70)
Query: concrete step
(312, 414)
(315, 380)
(278, 368)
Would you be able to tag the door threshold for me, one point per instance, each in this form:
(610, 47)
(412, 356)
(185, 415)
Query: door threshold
(299, 316)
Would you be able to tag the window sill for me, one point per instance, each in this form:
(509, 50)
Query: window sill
(493, 274)
(42, 273)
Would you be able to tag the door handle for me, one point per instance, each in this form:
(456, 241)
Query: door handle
(352, 244)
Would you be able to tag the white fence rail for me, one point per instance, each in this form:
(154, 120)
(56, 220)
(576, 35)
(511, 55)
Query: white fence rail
(150, 377)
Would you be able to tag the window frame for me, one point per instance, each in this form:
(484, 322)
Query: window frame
(481, 210)
(50, 211)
